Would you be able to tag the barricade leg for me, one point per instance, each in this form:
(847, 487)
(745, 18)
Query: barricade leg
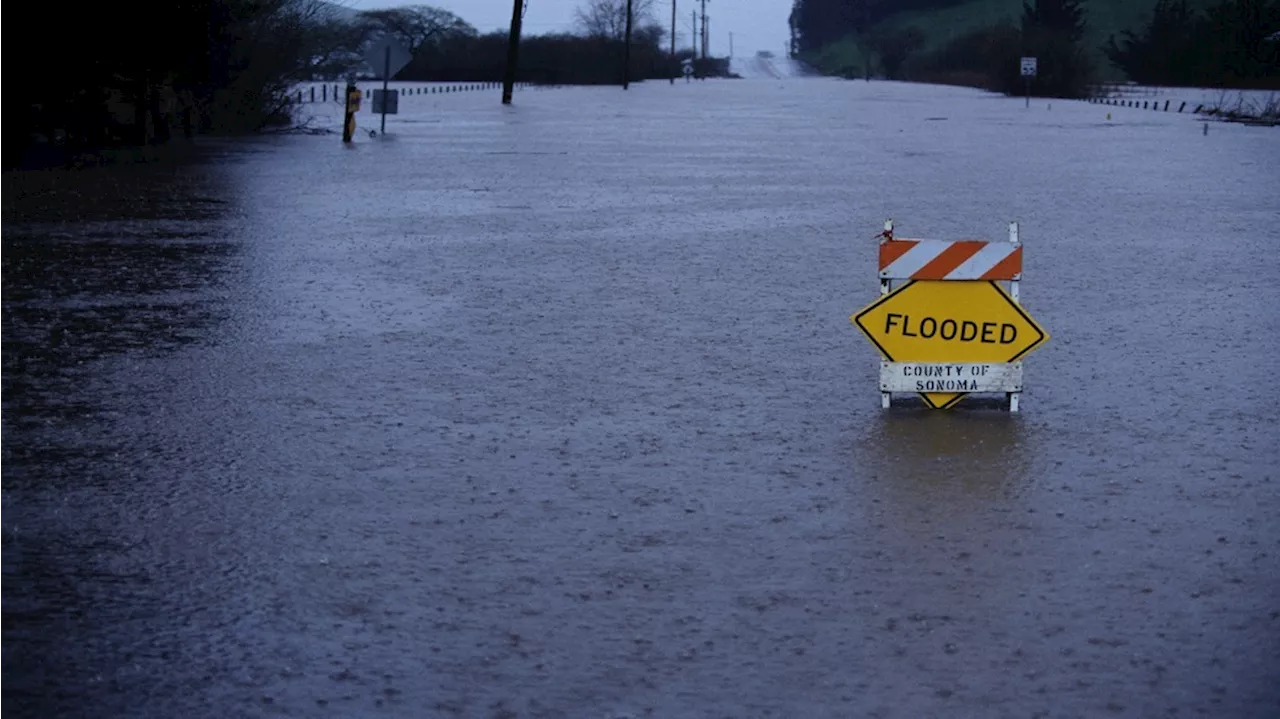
(886, 399)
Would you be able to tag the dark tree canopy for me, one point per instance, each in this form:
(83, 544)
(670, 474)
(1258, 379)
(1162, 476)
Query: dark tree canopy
(416, 26)
(140, 72)
(1226, 47)
(1231, 44)
(1053, 31)
(818, 22)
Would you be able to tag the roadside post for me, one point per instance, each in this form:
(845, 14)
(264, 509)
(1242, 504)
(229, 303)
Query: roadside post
(1028, 72)
(950, 328)
(350, 110)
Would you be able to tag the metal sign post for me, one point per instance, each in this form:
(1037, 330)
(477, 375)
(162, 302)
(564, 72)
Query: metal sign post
(951, 329)
(386, 57)
(1028, 72)
(386, 77)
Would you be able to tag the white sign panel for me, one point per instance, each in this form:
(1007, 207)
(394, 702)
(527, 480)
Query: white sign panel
(386, 102)
(1029, 67)
(377, 55)
(950, 377)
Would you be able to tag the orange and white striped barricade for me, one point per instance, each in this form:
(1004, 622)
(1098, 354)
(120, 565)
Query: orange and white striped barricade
(950, 327)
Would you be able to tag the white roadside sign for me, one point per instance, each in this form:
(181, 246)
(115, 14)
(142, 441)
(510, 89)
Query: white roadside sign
(950, 377)
(1029, 66)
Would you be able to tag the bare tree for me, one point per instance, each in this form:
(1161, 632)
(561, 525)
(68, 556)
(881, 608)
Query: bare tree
(337, 42)
(608, 18)
(417, 25)
(273, 46)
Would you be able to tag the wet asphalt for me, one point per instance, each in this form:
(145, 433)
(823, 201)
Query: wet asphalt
(555, 410)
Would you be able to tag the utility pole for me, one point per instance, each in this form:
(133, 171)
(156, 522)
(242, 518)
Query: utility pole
(513, 51)
(704, 29)
(731, 44)
(626, 51)
(694, 38)
(673, 42)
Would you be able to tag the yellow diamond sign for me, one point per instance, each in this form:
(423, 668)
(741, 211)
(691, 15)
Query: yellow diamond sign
(937, 321)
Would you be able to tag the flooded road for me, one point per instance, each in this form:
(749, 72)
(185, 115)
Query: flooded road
(555, 410)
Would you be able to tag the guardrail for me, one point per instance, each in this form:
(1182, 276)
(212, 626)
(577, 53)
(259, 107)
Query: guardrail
(1142, 104)
(333, 92)
(1261, 112)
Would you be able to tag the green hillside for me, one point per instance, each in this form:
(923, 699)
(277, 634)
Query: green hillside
(1106, 18)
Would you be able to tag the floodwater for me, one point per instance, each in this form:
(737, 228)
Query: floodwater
(555, 410)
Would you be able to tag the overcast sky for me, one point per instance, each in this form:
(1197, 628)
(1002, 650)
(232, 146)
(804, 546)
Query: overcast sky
(755, 24)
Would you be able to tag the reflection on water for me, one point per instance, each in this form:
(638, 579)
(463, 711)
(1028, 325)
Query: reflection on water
(98, 264)
(975, 450)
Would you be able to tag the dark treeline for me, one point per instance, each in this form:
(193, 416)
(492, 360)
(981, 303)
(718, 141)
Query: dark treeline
(110, 74)
(447, 49)
(1050, 30)
(1227, 46)
(816, 23)
(545, 59)
(114, 74)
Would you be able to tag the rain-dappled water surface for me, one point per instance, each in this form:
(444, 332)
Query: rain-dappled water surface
(555, 410)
